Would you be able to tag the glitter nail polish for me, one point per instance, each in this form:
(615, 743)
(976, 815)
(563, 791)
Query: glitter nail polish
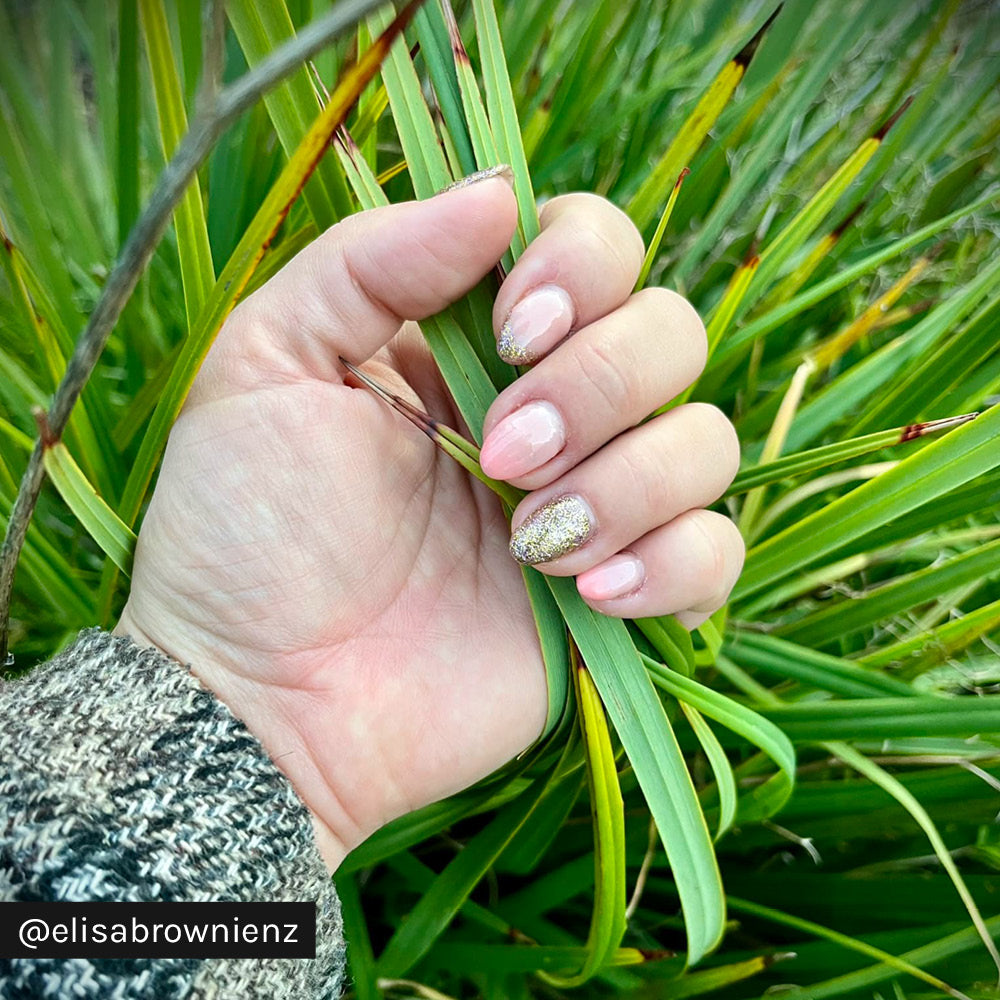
(558, 527)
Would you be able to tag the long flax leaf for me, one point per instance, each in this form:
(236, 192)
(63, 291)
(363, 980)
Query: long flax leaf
(867, 265)
(803, 462)
(646, 734)
(607, 925)
(101, 522)
(907, 800)
(725, 782)
(503, 115)
(439, 905)
(843, 618)
(260, 28)
(938, 643)
(744, 721)
(844, 940)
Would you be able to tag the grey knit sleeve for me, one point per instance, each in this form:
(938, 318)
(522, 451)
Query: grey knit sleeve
(122, 778)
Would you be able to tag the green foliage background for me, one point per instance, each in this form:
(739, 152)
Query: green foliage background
(851, 285)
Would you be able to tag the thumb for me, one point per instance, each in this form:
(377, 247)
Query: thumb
(349, 291)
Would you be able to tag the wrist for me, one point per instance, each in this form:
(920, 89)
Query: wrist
(279, 741)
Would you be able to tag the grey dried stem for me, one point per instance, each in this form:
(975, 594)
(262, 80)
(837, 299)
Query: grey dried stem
(217, 109)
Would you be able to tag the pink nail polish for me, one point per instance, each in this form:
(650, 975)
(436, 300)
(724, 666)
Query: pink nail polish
(522, 441)
(615, 577)
(535, 325)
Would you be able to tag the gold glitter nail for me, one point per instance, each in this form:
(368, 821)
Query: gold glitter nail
(560, 526)
(500, 170)
(510, 350)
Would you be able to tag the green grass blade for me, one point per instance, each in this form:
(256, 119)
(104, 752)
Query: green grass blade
(864, 979)
(709, 980)
(843, 618)
(260, 28)
(939, 643)
(436, 48)
(238, 270)
(193, 250)
(360, 957)
(115, 538)
(814, 669)
(607, 925)
(887, 718)
(725, 782)
(944, 464)
(690, 136)
(742, 720)
(844, 940)
(503, 115)
(661, 227)
(451, 888)
(645, 732)
(824, 289)
(426, 163)
(818, 458)
(908, 801)
(127, 163)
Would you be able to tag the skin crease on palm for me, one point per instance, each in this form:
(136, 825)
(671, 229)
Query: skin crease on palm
(345, 587)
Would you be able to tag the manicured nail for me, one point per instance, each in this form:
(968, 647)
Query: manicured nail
(500, 170)
(522, 441)
(615, 577)
(537, 323)
(561, 526)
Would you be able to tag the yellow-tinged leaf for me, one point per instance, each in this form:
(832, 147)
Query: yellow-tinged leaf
(115, 538)
(607, 924)
(840, 343)
(642, 207)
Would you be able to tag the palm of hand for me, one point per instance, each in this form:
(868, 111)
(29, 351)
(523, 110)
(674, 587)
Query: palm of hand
(378, 613)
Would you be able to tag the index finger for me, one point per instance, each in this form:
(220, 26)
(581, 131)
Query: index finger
(582, 266)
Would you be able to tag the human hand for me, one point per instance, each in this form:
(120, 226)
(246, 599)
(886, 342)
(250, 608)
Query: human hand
(346, 588)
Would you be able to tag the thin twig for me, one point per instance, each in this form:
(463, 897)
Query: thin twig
(209, 123)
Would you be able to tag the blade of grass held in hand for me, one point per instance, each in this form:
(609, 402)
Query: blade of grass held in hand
(607, 926)
(503, 115)
(450, 441)
(645, 732)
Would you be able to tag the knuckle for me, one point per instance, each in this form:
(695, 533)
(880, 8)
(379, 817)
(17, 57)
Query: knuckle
(602, 371)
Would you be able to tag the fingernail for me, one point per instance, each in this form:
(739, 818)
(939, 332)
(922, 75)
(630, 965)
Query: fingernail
(537, 323)
(560, 526)
(522, 441)
(500, 170)
(616, 577)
